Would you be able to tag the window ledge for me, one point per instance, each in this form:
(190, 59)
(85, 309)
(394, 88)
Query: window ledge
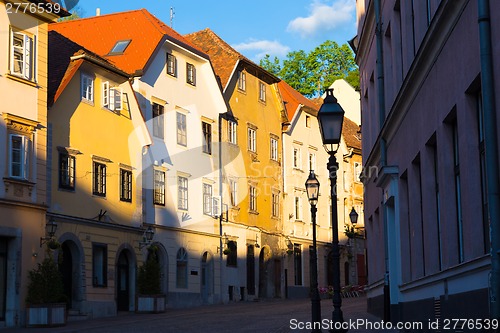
(22, 80)
(18, 186)
(253, 212)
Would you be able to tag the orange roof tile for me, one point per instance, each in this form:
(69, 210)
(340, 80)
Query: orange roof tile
(146, 33)
(223, 57)
(351, 133)
(292, 99)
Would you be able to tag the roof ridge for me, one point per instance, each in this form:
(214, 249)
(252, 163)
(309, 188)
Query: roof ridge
(97, 17)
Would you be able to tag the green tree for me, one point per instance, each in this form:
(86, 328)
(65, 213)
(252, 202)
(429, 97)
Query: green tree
(76, 13)
(45, 284)
(311, 73)
(272, 66)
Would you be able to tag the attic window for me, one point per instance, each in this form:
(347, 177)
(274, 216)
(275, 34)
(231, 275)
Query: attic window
(120, 47)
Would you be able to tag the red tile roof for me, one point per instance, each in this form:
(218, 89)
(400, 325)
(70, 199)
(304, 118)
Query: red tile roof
(351, 133)
(146, 33)
(292, 99)
(223, 57)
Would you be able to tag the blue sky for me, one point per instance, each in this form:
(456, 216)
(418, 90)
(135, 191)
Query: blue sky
(253, 27)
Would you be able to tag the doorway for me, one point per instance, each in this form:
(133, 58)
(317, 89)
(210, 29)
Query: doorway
(206, 278)
(122, 285)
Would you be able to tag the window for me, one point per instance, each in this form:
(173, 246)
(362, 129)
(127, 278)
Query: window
(159, 187)
(458, 190)
(87, 88)
(312, 161)
(171, 64)
(234, 192)
(274, 149)
(253, 198)
(207, 199)
(19, 156)
(298, 208)
(182, 269)
(158, 111)
(252, 140)
(262, 92)
(297, 264)
(207, 137)
(181, 129)
(182, 192)
(231, 131)
(21, 57)
(275, 205)
(308, 121)
(357, 171)
(66, 171)
(120, 47)
(190, 74)
(242, 81)
(482, 164)
(296, 158)
(232, 257)
(111, 97)
(99, 265)
(125, 185)
(99, 179)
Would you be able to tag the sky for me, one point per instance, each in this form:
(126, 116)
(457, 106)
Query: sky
(253, 27)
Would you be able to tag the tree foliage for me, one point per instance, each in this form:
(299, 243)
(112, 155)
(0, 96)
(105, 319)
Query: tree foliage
(148, 277)
(45, 284)
(311, 73)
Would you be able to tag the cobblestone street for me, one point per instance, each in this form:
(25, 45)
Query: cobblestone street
(265, 316)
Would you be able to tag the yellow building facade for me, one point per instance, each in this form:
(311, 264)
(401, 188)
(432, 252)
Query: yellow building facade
(96, 139)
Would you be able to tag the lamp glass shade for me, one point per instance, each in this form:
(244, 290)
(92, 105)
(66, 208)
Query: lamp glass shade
(149, 234)
(312, 188)
(51, 227)
(330, 119)
(353, 215)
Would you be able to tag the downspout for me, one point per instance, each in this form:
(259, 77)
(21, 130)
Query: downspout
(383, 153)
(491, 151)
(221, 212)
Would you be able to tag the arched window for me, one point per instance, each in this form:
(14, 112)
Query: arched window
(182, 264)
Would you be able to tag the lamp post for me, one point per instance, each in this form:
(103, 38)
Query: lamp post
(353, 216)
(330, 119)
(312, 188)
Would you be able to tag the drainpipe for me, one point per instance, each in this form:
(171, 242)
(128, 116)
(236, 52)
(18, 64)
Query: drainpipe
(491, 149)
(221, 211)
(383, 152)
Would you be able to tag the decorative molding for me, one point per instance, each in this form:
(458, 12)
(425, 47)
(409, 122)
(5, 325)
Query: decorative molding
(20, 124)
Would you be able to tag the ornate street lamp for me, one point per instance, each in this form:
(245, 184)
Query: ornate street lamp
(312, 188)
(353, 216)
(50, 231)
(330, 118)
(147, 237)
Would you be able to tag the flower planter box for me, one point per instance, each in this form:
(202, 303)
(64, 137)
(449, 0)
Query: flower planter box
(46, 315)
(150, 303)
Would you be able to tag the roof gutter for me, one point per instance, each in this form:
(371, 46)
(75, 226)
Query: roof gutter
(101, 63)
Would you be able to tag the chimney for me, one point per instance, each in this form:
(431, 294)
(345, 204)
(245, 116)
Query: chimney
(98, 12)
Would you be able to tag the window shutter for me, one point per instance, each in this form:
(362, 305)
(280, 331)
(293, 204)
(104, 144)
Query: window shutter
(105, 93)
(118, 99)
(26, 160)
(216, 206)
(27, 57)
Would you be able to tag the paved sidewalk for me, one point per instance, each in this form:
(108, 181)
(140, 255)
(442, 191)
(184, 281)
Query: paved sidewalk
(273, 316)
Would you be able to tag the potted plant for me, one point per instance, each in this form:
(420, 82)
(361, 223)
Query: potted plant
(45, 301)
(149, 298)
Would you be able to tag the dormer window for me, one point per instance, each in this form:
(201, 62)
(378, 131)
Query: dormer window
(120, 47)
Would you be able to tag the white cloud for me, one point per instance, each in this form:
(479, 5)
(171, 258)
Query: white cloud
(324, 17)
(259, 48)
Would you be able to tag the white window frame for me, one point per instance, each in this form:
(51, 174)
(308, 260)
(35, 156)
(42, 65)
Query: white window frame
(159, 187)
(191, 74)
(275, 205)
(105, 94)
(274, 149)
(158, 120)
(181, 130)
(171, 64)
(87, 88)
(233, 184)
(252, 196)
(312, 161)
(298, 212)
(297, 158)
(262, 92)
(207, 199)
(252, 139)
(23, 158)
(26, 54)
(242, 81)
(182, 193)
(232, 128)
